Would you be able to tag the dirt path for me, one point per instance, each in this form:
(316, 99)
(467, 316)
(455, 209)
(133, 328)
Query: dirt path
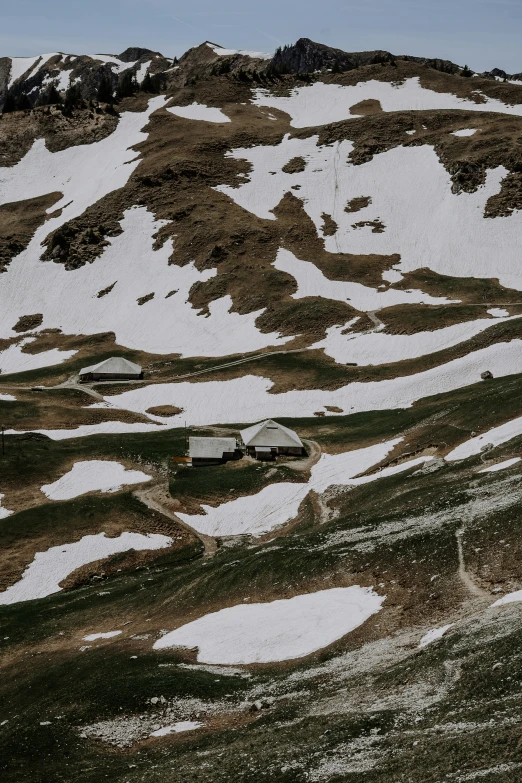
(464, 576)
(314, 455)
(158, 498)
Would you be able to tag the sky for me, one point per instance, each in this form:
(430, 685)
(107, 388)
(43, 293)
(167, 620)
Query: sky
(482, 33)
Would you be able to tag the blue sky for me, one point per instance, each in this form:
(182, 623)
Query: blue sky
(482, 33)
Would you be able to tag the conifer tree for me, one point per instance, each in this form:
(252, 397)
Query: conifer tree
(9, 104)
(52, 96)
(127, 86)
(73, 98)
(105, 92)
(466, 72)
(23, 103)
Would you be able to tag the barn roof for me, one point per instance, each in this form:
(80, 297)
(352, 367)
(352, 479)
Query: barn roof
(116, 365)
(210, 448)
(270, 433)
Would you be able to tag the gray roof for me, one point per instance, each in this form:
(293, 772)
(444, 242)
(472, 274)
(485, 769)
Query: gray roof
(116, 365)
(211, 448)
(270, 433)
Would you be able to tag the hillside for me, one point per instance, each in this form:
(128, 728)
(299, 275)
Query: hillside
(329, 239)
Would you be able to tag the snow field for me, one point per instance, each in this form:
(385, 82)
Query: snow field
(500, 465)
(276, 631)
(494, 437)
(91, 475)
(71, 172)
(92, 637)
(321, 104)
(312, 282)
(43, 576)
(70, 301)
(116, 64)
(277, 504)
(13, 359)
(27, 65)
(425, 223)
(224, 52)
(198, 111)
(247, 399)
(176, 728)
(434, 634)
(381, 348)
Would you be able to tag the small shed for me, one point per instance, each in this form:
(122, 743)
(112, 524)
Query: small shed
(116, 368)
(213, 451)
(269, 435)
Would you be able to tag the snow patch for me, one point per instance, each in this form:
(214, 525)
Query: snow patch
(312, 282)
(198, 111)
(91, 475)
(494, 437)
(510, 598)
(91, 637)
(4, 512)
(434, 634)
(43, 576)
(464, 132)
(321, 104)
(21, 66)
(142, 71)
(226, 52)
(501, 465)
(13, 359)
(176, 728)
(276, 631)
(7, 398)
(497, 312)
(380, 348)
(116, 65)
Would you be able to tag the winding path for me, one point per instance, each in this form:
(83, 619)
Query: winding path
(158, 498)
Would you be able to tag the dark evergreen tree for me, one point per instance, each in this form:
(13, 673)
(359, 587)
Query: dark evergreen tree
(154, 84)
(466, 72)
(9, 104)
(73, 98)
(146, 85)
(127, 86)
(335, 67)
(52, 96)
(23, 103)
(105, 92)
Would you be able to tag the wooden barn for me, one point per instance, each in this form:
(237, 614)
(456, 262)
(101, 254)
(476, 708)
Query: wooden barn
(213, 451)
(268, 439)
(114, 369)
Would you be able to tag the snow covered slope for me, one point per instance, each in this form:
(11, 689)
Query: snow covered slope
(329, 239)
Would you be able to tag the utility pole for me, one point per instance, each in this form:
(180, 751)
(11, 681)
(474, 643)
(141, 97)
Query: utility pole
(3, 444)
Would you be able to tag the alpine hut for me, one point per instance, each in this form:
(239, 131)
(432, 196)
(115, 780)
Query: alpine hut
(268, 439)
(114, 369)
(213, 451)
